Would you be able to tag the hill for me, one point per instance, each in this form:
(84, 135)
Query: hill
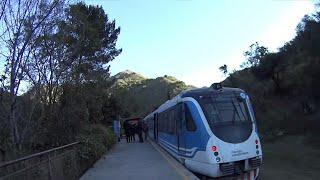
(139, 95)
(284, 85)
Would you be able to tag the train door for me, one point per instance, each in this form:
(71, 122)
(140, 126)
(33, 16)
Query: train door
(155, 127)
(180, 123)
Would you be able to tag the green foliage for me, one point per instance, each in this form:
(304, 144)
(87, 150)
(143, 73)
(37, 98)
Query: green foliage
(284, 85)
(254, 55)
(90, 41)
(65, 51)
(94, 140)
(224, 69)
(111, 109)
(271, 67)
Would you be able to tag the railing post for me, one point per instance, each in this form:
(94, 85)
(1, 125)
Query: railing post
(75, 161)
(12, 165)
(49, 167)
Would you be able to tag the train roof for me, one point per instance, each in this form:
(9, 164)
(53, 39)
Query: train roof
(197, 91)
(192, 93)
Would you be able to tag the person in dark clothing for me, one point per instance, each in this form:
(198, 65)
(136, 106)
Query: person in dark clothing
(132, 133)
(145, 130)
(127, 131)
(139, 131)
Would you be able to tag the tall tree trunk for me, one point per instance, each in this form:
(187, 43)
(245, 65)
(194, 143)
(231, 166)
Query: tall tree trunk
(12, 108)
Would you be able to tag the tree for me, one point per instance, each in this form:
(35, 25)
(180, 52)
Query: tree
(110, 108)
(271, 67)
(308, 38)
(69, 64)
(254, 55)
(21, 21)
(303, 57)
(45, 64)
(90, 42)
(45, 78)
(224, 69)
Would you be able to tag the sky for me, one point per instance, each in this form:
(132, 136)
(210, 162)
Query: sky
(191, 39)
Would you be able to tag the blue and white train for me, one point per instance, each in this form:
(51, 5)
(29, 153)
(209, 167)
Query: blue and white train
(211, 131)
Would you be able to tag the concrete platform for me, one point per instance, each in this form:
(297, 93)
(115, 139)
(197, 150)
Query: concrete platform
(137, 161)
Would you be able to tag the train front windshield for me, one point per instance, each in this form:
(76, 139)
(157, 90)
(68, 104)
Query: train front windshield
(225, 108)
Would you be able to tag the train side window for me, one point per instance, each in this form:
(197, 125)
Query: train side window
(163, 123)
(171, 121)
(160, 122)
(191, 126)
(178, 117)
(166, 121)
(150, 123)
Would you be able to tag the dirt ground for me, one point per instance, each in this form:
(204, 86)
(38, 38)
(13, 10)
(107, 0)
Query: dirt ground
(290, 157)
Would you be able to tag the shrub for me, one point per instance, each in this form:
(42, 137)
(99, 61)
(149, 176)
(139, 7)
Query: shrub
(94, 140)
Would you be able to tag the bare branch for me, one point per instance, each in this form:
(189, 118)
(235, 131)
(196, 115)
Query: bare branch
(22, 21)
(3, 7)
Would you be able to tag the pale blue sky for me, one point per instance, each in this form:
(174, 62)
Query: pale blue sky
(191, 39)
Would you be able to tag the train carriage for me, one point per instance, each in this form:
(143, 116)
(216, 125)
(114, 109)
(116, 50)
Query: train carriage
(211, 131)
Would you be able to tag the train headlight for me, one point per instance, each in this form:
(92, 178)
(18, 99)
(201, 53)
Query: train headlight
(257, 151)
(218, 159)
(214, 148)
(256, 141)
(216, 153)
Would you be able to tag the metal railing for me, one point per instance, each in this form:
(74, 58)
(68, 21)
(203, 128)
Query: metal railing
(50, 164)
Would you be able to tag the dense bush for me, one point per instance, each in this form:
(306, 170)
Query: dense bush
(94, 140)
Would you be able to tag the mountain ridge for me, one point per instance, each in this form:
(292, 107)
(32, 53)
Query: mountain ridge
(139, 95)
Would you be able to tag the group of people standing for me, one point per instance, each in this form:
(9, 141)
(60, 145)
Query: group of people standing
(133, 128)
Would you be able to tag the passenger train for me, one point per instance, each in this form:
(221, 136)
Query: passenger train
(211, 131)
